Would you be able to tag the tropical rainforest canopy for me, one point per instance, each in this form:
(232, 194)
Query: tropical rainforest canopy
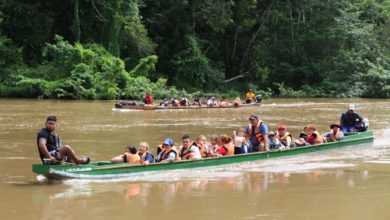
(119, 49)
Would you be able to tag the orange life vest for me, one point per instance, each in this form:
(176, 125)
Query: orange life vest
(185, 154)
(282, 139)
(131, 158)
(164, 154)
(204, 151)
(229, 148)
(258, 133)
(318, 139)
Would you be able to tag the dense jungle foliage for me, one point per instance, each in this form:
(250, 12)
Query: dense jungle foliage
(98, 49)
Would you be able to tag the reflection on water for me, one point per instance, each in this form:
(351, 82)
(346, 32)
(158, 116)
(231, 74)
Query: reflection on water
(346, 183)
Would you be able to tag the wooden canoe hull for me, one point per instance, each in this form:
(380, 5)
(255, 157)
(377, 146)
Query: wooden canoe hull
(107, 171)
(156, 107)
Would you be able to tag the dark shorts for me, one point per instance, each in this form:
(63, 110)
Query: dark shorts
(237, 150)
(56, 154)
(248, 101)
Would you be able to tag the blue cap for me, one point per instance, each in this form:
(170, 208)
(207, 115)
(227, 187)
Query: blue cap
(168, 141)
(165, 99)
(253, 116)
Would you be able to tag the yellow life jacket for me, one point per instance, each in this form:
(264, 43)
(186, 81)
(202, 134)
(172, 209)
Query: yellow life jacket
(282, 139)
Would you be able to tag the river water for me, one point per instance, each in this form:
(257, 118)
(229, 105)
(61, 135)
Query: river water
(348, 183)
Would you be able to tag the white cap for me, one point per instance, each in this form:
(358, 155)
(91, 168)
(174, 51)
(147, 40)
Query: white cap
(351, 107)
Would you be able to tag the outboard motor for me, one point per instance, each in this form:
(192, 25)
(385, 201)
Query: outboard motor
(259, 98)
(363, 127)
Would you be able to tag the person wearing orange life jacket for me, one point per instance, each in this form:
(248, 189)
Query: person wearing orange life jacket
(257, 132)
(169, 154)
(314, 136)
(335, 133)
(285, 137)
(130, 156)
(189, 150)
(226, 146)
(145, 156)
(204, 150)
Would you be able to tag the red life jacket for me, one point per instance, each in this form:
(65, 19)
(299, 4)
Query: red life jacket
(258, 133)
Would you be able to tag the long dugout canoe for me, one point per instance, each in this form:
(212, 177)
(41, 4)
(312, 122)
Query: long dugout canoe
(106, 170)
(157, 107)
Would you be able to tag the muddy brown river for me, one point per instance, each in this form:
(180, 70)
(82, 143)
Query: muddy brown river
(347, 183)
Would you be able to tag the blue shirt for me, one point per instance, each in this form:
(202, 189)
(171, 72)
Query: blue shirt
(149, 157)
(263, 130)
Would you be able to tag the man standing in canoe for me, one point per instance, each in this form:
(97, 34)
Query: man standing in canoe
(257, 132)
(249, 97)
(50, 146)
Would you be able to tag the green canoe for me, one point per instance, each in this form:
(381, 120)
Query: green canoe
(107, 170)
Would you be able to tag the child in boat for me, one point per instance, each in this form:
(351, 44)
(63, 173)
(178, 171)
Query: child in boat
(302, 138)
(201, 142)
(239, 141)
(130, 156)
(274, 143)
(214, 145)
(313, 136)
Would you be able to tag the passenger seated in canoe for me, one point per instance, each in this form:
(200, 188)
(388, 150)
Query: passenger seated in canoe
(174, 102)
(302, 138)
(164, 102)
(257, 132)
(350, 120)
(226, 146)
(303, 134)
(145, 156)
(130, 156)
(201, 142)
(51, 150)
(147, 99)
(250, 96)
(313, 136)
(211, 102)
(189, 150)
(214, 145)
(197, 102)
(284, 137)
(239, 142)
(274, 143)
(236, 102)
(169, 153)
(223, 102)
(335, 133)
(184, 102)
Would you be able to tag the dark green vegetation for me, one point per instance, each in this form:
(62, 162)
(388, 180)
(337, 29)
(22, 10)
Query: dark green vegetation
(109, 170)
(95, 49)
